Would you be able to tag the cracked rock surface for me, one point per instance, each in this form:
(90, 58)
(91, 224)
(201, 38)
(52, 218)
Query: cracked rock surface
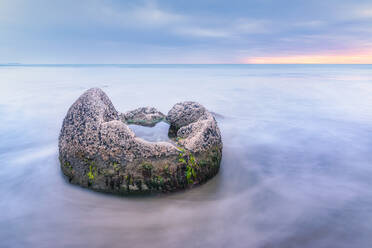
(98, 150)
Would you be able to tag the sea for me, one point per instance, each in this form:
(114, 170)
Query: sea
(296, 169)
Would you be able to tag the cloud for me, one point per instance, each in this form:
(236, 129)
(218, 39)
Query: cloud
(310, 24)
(202, 32)
(77, 28)
(151, 14)
(147, 15)
(223, 28)
(362, 11)
(250, 26)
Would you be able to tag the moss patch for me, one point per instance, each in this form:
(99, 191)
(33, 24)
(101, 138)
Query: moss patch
(188, 159)
(67, 165)
(92, 173)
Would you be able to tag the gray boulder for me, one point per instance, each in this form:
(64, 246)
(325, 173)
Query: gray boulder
(98, 150)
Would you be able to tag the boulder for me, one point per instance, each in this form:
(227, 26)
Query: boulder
(98, 150)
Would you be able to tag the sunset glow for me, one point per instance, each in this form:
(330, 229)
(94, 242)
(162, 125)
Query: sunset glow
(357, 58)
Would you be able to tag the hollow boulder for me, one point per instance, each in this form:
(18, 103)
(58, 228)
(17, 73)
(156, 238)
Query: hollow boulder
(98, 150)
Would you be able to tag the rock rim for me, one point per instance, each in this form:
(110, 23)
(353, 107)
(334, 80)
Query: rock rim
(98, 150)
(144, 116)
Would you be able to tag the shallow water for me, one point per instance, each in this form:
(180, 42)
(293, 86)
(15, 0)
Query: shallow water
(296, 168)
(157, 133)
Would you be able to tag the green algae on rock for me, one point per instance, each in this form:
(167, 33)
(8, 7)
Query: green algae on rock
(98, 150)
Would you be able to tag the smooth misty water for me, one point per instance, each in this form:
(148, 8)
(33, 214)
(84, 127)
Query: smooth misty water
(296, 168)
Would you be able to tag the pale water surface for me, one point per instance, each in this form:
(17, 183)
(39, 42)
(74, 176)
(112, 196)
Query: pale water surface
(296, 168)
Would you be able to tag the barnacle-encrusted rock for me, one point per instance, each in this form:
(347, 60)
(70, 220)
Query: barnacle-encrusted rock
(98, 150)
(195, 127)
(145, 116)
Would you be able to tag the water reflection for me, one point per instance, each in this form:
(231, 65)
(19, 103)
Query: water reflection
(157, 133)
(295, 171)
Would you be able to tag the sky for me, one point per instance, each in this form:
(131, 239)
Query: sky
(186, 32)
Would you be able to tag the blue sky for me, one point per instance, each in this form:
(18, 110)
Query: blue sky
(183, 31)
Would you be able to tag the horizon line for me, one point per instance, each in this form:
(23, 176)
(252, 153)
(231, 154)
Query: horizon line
(60, 64)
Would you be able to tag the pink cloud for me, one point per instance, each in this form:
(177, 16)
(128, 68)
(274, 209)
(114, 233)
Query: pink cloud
(356, 57)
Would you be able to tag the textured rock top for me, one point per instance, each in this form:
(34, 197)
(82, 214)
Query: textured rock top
(92, 126)
(185, 113)
(99, 150)
(81, 126)
(196, 127)
(145, 116)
